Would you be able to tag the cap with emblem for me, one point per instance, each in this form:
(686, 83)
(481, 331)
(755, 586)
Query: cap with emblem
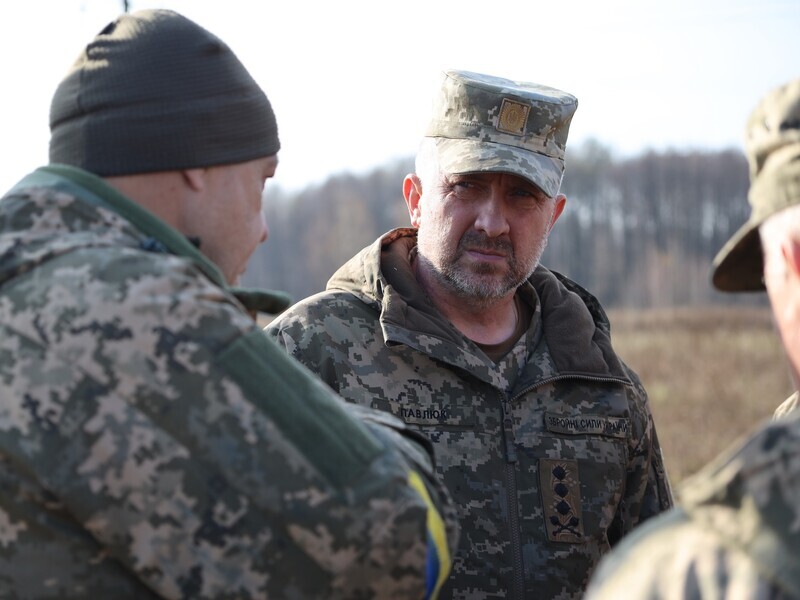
(772, 142)
(485, 123)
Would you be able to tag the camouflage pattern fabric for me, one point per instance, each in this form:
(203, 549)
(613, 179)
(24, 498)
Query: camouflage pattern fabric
(735, 535)
(155, 443)
(550, 455)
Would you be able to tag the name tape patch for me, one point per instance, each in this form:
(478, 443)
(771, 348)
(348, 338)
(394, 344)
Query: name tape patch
(618, 427)
(437, 415)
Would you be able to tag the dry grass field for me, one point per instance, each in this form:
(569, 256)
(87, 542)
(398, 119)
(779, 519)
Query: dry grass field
(712, 375)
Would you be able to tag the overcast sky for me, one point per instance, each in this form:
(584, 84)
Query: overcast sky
(351, 81)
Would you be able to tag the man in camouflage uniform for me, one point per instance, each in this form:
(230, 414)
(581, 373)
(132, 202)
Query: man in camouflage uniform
(154, 442)
(736, 531)
(543, 436)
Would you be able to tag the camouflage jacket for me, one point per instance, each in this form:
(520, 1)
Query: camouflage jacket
(736, 533)
(155, 443)
(550, 455)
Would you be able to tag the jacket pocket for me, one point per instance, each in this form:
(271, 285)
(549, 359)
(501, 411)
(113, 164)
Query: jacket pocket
(571, 484)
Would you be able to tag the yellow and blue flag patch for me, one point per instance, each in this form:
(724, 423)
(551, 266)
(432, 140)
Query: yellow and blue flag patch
(438, 562)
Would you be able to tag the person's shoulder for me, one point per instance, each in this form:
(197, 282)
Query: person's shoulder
(329, 306)
(750, 492)
(747, 498)
(674, 556)
(732, 531)
(129, 287)
(765, 462)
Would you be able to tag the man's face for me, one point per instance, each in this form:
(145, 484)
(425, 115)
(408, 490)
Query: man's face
(229, 222)
(482, 234)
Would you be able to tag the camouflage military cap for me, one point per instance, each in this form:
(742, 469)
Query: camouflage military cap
(485, 123)
(772, 142)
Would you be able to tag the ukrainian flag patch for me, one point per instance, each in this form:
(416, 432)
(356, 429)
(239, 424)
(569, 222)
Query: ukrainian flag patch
(437, 566)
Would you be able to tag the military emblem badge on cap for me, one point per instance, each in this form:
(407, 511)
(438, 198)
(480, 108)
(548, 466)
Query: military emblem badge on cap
(773, 151)
(485, 123)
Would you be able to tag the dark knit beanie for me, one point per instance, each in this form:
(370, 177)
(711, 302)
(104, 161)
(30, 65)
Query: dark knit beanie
(154, 91)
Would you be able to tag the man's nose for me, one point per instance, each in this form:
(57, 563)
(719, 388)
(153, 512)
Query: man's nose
(491, 217)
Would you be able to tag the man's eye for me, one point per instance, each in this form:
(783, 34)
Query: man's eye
(531, 196)
(466, 190)
(524, 191)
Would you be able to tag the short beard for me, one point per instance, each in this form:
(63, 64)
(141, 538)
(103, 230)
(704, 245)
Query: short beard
(478, 285)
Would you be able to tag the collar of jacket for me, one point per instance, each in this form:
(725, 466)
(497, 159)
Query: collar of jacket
(92, 189)
(575, 327)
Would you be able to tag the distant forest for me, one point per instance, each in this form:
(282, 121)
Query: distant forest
(638, 232)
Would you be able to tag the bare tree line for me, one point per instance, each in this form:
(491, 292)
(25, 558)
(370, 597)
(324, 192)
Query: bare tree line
(639, 232)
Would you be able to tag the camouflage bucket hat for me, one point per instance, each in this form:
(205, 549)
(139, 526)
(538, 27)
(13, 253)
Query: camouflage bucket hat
(773, 152)
(485, 123)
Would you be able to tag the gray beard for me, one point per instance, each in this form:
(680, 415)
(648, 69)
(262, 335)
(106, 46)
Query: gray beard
(477, 286)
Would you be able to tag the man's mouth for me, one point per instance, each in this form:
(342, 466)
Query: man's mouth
(482, 253)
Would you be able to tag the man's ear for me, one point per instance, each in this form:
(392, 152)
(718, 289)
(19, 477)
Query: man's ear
(412, 192)
(791, 254)
(561, 202)
(195, 178)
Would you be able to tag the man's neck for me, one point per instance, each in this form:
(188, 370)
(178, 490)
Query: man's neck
(160, 193)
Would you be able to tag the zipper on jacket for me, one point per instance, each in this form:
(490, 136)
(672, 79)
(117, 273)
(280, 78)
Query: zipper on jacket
(595, 378)
(510, 470)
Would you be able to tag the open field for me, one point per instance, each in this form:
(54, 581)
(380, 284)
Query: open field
(712, 375)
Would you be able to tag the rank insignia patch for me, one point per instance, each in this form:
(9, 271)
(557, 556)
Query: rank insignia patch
(561, 500)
